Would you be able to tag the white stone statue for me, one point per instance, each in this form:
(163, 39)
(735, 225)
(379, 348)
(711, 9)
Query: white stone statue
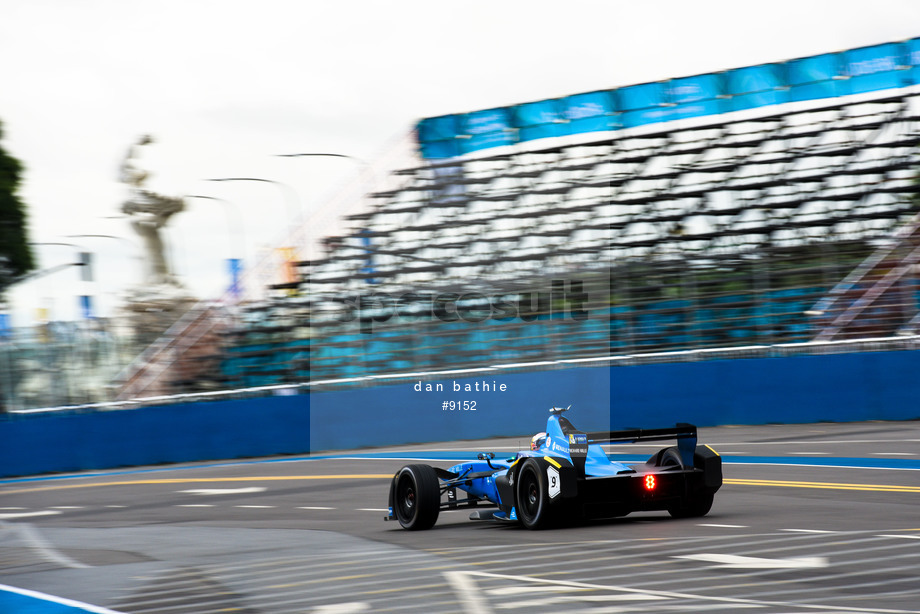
(149, 213)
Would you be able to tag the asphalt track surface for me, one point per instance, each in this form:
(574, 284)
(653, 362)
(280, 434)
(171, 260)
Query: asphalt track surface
(813, 518)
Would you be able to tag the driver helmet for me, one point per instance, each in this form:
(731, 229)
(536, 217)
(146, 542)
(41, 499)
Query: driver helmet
(537, 441)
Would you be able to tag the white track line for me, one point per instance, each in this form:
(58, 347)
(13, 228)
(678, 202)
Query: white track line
(16, 515)
(815, 531)
(36, 542)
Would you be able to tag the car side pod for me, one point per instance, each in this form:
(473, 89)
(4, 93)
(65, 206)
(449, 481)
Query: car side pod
(710, 462)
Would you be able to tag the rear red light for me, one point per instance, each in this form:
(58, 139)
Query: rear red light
(650, 482)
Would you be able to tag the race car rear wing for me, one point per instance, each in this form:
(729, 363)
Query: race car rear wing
(679, 431)
(685, 434)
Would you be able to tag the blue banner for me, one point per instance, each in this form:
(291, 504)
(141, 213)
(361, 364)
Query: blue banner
(812, 78)
(640, 104)
(913, 60)
(539, 120)
(695, 96)
(484, 129)
(368, 268)
(86, 307)
(438, 128)
(755, 86)
(438, 136)
(589, 112)
(876, 68)
(855, 71)
(235, 269)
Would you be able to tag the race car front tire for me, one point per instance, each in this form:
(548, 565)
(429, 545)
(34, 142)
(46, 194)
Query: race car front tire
(531, 495)
(417, 497)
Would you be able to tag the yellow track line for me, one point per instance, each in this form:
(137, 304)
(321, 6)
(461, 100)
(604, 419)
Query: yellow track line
(824, 485)
(268, 478)
(381, 476)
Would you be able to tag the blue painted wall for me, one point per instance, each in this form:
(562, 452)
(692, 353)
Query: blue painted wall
(791, 390)
(398, 414)
(800, 389)
(797, 389)
(57, 442)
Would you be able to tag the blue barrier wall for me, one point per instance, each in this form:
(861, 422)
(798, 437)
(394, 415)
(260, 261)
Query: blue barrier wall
(799, 389)
(789, 390)
(399, 414)
(57, 442)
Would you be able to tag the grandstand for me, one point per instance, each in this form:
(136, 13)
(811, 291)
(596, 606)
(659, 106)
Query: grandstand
(729, 233)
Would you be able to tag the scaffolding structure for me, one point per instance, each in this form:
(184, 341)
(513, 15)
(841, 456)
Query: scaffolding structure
(838, 173)
(680, 238)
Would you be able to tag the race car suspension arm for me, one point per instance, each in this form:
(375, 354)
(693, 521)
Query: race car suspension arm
(455, 479)
(452, 504)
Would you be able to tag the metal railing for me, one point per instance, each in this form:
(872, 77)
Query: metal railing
(902, 343)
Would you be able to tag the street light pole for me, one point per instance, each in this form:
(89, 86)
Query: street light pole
(237, 255)
(291, 199)
(366, 171)
(85, 261)
(233, 224)
(134, 246)
(366, 168)
(43, 272)
(321, 154)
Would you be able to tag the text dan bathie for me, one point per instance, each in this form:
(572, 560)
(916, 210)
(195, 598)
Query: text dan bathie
(455, 386)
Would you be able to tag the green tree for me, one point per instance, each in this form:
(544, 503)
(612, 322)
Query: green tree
(15, 253)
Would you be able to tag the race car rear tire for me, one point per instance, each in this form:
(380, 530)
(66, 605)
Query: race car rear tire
(693, 507)
(704, 458)
(667, 457)
(700, 502)
(417, 497)
(531, 496)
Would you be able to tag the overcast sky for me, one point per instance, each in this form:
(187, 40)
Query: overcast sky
(224, 85)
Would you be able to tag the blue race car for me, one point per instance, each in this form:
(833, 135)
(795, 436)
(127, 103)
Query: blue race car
(566, 475)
